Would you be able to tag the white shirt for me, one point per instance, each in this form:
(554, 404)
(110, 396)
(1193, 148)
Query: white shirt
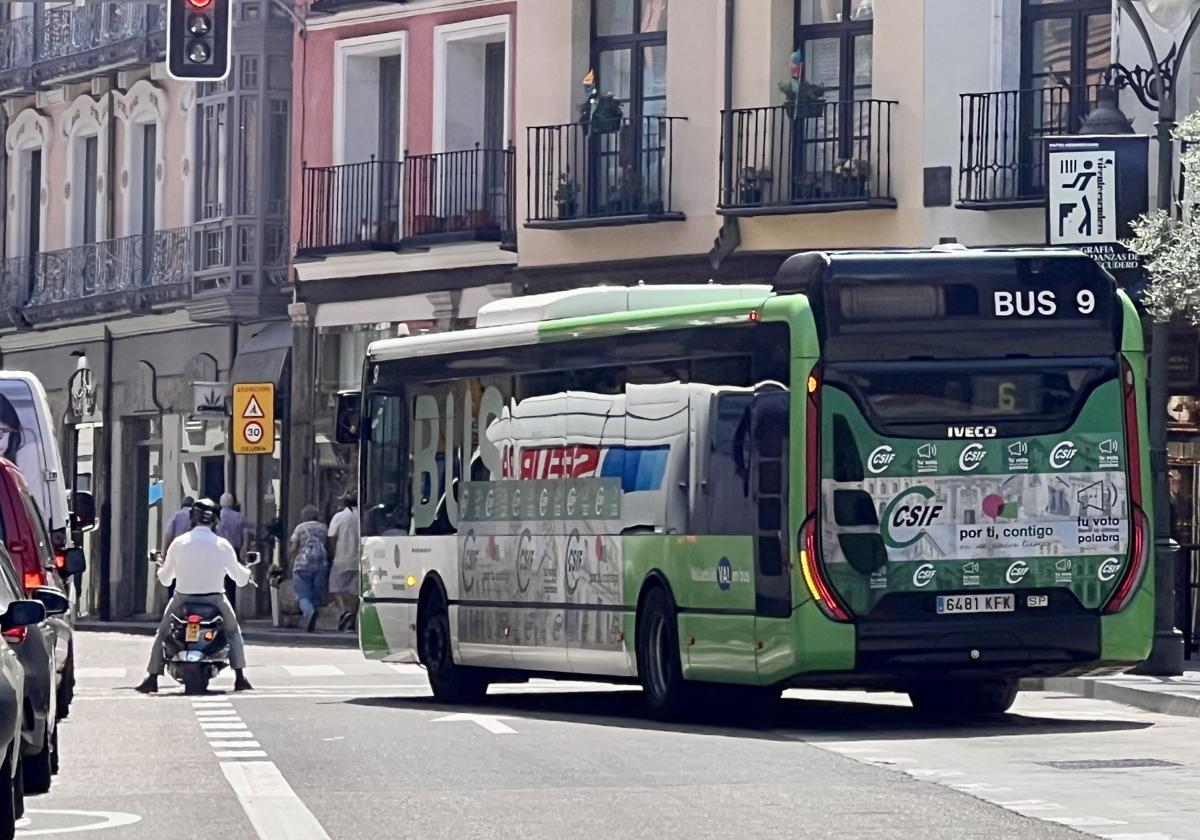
(198, 562)
(344, 528)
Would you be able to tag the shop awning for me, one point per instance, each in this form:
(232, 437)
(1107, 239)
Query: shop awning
(265, 356)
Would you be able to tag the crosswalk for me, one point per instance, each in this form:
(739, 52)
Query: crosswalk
(86, 675)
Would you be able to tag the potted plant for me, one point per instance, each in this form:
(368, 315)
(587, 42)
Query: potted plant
(852, 174)
(802, 99)
(807, 186)
(601, 113)
(751, 184)
(632, 191)
(566, 195)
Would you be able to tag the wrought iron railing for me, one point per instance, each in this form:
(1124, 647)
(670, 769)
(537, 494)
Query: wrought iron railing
(16, 275)
(160, 272)
(71, 29)
(383, 204)
(16, 43)
(813, 153)
(610, 167)
(1002, 140)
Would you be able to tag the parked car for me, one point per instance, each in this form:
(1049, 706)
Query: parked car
(15, 613)
(27, 566)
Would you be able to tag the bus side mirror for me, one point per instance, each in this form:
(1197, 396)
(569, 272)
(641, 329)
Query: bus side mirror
(83, 511)
(349, 417)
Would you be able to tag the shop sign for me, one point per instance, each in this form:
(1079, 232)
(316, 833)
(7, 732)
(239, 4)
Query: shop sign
(210, 399)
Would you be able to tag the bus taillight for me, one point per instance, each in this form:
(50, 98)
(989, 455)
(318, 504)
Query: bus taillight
(1139, 556)
(810, 558)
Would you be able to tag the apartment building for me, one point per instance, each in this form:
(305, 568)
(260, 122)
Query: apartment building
(405, 177)
(144, 264)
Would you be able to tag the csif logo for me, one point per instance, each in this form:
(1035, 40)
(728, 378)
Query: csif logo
(1063, 454)
(880, 459)
(971, 457)
(924, 575)
(1017, 572)
(906, 517)
(1108, 569)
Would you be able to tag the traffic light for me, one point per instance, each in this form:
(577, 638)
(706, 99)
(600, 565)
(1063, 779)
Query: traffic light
(198, 39)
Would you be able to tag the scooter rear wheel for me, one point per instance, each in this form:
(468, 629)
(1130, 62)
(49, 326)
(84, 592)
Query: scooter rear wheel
(194, 680)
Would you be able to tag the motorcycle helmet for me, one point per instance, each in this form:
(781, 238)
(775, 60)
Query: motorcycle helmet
(204, 512)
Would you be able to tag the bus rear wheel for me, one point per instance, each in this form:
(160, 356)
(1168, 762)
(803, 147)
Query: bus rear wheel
(450, 682)
(948, 699)
(664, 690)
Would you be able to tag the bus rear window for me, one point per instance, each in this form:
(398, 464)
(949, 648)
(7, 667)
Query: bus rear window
(1046, 395)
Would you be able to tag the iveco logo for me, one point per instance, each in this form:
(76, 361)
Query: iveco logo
(971, 431)
(971, 457)
(880, 459)
(923, 575)
(1016, 572)
(1062, 455)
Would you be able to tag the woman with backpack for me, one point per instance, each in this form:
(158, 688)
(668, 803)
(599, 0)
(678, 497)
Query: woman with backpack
(310, 562)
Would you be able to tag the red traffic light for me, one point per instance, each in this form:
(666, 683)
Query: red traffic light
(199, 4)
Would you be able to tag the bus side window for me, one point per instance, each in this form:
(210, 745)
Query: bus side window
(730, 502)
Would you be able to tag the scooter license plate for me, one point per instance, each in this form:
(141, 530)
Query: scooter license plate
(192, 634)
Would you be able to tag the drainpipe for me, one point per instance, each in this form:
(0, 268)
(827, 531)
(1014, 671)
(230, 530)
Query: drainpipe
(104, 605)
(3, 182)
(110, 179)
(729, 237)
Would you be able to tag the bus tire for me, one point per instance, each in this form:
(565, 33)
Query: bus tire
(948, 699)
(449, 681)
(665, 692)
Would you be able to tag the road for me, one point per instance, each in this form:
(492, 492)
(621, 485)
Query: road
(332, 746)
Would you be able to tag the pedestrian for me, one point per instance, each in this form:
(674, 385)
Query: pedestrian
(179, 524)
(310, 561)
(232, 526)
(344, 575)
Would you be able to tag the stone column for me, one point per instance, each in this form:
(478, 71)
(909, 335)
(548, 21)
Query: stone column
(300, 487)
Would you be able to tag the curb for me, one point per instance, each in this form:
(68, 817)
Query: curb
(1161, 702)
(250, 635)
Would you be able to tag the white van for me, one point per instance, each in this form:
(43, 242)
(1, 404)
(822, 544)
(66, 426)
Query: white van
(28, 439)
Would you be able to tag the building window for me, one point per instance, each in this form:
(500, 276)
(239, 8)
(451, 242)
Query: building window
(277, 171)
(1066, 47)
(835, 39)
(371, 98)
(629, 54)
(86, 161)
(248, 163)
(211, 171)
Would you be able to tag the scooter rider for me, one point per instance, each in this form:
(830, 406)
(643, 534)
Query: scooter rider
(198, 562)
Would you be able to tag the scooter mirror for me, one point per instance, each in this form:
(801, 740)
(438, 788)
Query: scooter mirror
(253, 558)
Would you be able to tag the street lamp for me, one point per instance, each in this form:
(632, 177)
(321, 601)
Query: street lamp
(1166, 656)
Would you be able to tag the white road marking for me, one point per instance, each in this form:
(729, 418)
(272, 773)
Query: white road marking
(221, 726)
(237, 745)
(205, 712)
(100, 673)
(489, 722)
(107, 819)
(1080, 822)
(270, 803)
(313, 670)
(240, 754)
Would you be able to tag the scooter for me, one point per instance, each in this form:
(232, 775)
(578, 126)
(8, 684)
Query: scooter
(197, 649)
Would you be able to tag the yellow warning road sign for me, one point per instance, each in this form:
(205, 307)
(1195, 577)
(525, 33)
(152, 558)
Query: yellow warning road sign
(253, 418)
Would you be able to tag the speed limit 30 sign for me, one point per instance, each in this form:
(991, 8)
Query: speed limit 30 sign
(253, 418)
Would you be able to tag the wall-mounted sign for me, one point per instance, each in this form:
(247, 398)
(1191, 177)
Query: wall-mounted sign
(253, 418)
(210, 399)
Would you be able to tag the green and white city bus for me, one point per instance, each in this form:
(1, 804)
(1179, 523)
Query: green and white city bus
(919, 471)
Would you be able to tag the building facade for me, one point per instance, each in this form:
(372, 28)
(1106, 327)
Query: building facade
(404, 173)
(145, 257)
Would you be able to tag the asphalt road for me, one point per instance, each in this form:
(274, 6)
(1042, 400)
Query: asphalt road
(332, 746)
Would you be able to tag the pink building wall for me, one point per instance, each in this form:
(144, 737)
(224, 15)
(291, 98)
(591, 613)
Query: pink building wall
(313, 80)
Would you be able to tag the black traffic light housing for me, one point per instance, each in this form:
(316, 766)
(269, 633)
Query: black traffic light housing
(198, 39)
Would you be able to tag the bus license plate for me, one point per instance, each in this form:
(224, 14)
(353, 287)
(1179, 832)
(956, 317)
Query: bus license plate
(193, 631)
(975, 603)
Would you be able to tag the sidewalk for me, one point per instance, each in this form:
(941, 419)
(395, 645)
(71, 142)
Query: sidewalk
(1178, 696)
(254, 631)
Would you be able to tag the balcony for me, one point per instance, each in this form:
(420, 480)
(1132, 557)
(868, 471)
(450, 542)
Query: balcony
(16, 55)
(1002, 142)
(420, 201)
(619, 173)
(77, 39)
(810, 158)
(103, 277)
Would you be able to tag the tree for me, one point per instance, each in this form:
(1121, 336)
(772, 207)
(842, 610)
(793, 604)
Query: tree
(1170, 246)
